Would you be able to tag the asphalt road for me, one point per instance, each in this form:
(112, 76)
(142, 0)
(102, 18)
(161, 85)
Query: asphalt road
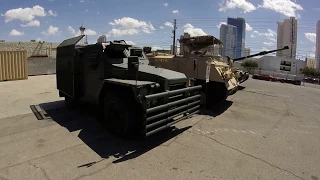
(266, 130)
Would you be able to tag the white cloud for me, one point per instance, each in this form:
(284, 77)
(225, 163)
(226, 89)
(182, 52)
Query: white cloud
(219, 25)
(81, 1)
(272, 39)
(248, 27)
(265, 49)
(131, 43)
(285, 7)
(252, 36)
(129, 26)
(15, 33)
(168, 24)
(311, 36)
(188, 28)
(51, 31)
(31, 23)
(24, 14)
(88, 32)
(165, 4)
(122, 32)
(51, 13)
(175, 12)
(154, 48)
(233, 4)
(270, 35)
(38, 39)
(71, 30)
(268, 43)
(161, 27)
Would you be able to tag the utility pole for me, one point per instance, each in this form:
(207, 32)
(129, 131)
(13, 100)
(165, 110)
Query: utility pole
(291, 38)
(174, 37)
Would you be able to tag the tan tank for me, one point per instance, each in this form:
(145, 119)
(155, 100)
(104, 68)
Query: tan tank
(212, 72)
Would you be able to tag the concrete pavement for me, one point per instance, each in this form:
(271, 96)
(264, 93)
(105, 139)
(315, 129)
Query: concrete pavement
(265, 131)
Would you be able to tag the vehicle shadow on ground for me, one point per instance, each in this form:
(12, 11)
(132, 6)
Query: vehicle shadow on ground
(240, 88)
(217, 110)
(95, 136)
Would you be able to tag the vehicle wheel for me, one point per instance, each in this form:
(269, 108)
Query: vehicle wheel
(202, 100)
(70, 103)
(119, 117)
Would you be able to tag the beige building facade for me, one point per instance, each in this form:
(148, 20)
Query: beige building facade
(311, 62)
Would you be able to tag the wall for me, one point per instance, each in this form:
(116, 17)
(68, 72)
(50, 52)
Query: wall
(32, 48)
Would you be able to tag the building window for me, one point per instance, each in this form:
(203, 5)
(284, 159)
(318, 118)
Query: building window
(285, 68)
(285, 63)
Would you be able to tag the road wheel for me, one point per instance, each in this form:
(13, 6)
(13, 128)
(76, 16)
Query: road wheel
(203, 100)
(70, 103)
(119, 116)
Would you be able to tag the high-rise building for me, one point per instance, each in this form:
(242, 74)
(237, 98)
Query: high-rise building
(287, 36)
(102, 39)
(240, 23)
(317, 53)
(246, 52)
(310, 62)
(183, 48)
(175, 49)
(228, 36)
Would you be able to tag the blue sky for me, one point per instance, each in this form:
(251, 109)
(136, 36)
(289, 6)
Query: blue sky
(143, 22)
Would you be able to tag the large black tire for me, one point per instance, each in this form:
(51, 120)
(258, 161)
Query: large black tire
(121, 116)
(70, 103)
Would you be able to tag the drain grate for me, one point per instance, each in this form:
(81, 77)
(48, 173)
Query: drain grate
(39, 112)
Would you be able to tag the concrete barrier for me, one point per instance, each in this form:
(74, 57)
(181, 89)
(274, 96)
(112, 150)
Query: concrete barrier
(41, 66)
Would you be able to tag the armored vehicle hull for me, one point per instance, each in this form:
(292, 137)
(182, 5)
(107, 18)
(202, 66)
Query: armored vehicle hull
(134, 98)
(221, 80)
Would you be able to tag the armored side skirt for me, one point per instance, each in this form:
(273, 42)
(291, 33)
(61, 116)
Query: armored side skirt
(173, 107)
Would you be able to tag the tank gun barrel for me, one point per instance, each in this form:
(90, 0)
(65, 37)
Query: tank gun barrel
(261, 53)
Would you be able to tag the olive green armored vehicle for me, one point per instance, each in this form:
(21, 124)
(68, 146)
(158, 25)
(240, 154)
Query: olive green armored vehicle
(135, 99)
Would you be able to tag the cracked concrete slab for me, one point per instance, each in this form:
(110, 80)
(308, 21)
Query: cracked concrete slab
(267, 131)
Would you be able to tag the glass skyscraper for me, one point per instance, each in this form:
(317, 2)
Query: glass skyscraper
(228, 36)
(240, 23)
